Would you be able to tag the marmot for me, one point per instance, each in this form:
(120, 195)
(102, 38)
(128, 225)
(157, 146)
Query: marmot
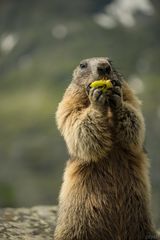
(106, 190)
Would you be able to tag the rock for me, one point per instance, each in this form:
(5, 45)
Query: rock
(35, 223)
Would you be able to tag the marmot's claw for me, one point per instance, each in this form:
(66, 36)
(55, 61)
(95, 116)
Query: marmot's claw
(115, 97)
(97, 97)
(116, 83)
(117, 90)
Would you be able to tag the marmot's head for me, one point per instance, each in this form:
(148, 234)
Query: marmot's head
(93, 69)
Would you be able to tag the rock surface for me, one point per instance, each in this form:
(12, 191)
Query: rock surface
(35, 223)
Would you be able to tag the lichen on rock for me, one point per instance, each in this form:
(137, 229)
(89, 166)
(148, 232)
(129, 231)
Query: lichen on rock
(35, 223)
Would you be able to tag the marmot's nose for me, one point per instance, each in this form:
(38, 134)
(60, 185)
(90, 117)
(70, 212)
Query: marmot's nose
(104, 69)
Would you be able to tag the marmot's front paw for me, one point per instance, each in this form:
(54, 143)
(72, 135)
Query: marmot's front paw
(97, 97)
(115, 97)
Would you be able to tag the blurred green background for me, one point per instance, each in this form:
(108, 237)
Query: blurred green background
(41, 42)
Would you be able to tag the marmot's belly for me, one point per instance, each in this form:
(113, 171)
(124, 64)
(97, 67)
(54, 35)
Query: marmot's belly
(100, 226)
(101, 215)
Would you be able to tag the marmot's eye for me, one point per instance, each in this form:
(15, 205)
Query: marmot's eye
(83, 65)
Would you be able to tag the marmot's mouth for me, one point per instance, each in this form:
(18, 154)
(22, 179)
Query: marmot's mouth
(100, 77)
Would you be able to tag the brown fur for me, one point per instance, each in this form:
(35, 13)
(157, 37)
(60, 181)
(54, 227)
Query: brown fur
(106, 191)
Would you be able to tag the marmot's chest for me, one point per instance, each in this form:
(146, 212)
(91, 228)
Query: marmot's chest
(110, 179)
